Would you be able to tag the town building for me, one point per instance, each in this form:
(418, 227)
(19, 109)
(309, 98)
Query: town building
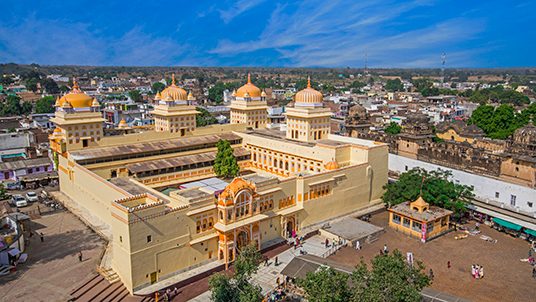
(167, 214)
(419, 219)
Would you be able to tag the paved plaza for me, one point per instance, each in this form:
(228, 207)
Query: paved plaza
(53, 268)
(506, 277)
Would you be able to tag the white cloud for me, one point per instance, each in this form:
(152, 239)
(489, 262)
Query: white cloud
(338, 33)
(240, 7)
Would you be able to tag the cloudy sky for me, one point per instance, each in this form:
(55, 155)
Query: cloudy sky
(472, 33)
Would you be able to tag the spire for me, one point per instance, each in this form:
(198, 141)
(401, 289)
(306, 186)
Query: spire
(75, 88)
(173, 79)
(249, 78)
(308, 81)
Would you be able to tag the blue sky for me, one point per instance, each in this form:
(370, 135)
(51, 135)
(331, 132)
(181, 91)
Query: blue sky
(472, 33)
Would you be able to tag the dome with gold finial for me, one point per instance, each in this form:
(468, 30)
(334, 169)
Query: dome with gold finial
(249, 88)
(309, 95)
(173, 92)
(76, 98)
(123, 124)
(332, 165)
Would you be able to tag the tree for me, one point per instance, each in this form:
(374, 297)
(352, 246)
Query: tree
(394, 85)
(502, 121)
(13, 106)
(390, 279)
(135, 95)
(237, 288)
(157, 87)
(3, 192)
(204, 118)
(50, 86)
(215, 93)
(64, 88)
(31, 84)
(437, 189)
(393, 128)
(225, 164)
(325, 285)
(45, 105)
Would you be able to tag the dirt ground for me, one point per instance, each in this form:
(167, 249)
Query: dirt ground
(506, 277)
(53, 268)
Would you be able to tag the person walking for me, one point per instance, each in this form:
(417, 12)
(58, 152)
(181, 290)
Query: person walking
(326, 242)
(42, 237)
(357, 245)
(534, 272)
(276, 262)
(385, 249)
(448, 264)
(80, 256)
(431, 274)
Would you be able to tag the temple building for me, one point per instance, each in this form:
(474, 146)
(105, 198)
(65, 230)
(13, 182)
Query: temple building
(419, 219)
(174, 111)
(78, 121)
(168, 215)
(308, 120)
(248, 106)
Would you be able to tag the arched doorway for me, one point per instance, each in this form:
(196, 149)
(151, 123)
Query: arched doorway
(290, 227)
(242, 240)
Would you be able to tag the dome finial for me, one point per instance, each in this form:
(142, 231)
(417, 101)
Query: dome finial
(249, 78)
(173, 79)
(308, 81)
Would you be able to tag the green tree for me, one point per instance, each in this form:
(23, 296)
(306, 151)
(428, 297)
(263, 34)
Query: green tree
(437, 189)
(325, 285)
(45, 105)
(135, 95)
(50, 86)
(3, 192)
(31, 84)
(394, 85)
(390, 279)
(12, 106)
(215, 93)
(302, 83)
(393, 128)
(64, 88)
(502, 121)
(157, 87)
(237, 288)
(225, 164)
(204, 118)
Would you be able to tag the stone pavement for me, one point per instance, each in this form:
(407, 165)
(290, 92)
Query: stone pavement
(266, 276)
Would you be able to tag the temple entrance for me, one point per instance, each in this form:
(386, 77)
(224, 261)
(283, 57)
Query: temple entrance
(242, 240)
(290, 227)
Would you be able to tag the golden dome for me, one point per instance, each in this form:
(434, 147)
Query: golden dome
(191, 96)
(123, 123)
(332, 165)
(226, 197)
(174, 92)
(95, 103)
(76, 98)
(251, 89)
(57, 130)
(309, 95)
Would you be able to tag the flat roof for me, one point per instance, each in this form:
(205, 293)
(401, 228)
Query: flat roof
(258, 179)
(150, 147)
(351, 229)
(212, 184)
(24, 164)
(179, 161)
(129, 186)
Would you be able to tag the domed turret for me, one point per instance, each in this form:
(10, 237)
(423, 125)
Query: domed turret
(309, 95)
(191, 96)
(173, 92)
(76, 98)
(248, 88)
(332, 165)
(95, 103)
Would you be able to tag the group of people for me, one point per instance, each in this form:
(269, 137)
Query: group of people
(477, 271)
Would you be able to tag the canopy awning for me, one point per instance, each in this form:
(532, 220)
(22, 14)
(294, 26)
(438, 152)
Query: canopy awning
(507, 224)
(530, 232)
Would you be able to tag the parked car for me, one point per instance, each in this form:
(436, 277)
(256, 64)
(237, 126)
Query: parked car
(32, 197)
(19, 201)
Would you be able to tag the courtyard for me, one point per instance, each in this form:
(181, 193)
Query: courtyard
(506, 277)
(53, 268)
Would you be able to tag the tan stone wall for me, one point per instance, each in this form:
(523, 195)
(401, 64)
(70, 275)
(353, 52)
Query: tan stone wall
(408, 148)
(520, 172)
(451, 135)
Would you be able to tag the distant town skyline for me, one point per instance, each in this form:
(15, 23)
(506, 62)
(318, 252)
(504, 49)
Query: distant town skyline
(380, 33)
